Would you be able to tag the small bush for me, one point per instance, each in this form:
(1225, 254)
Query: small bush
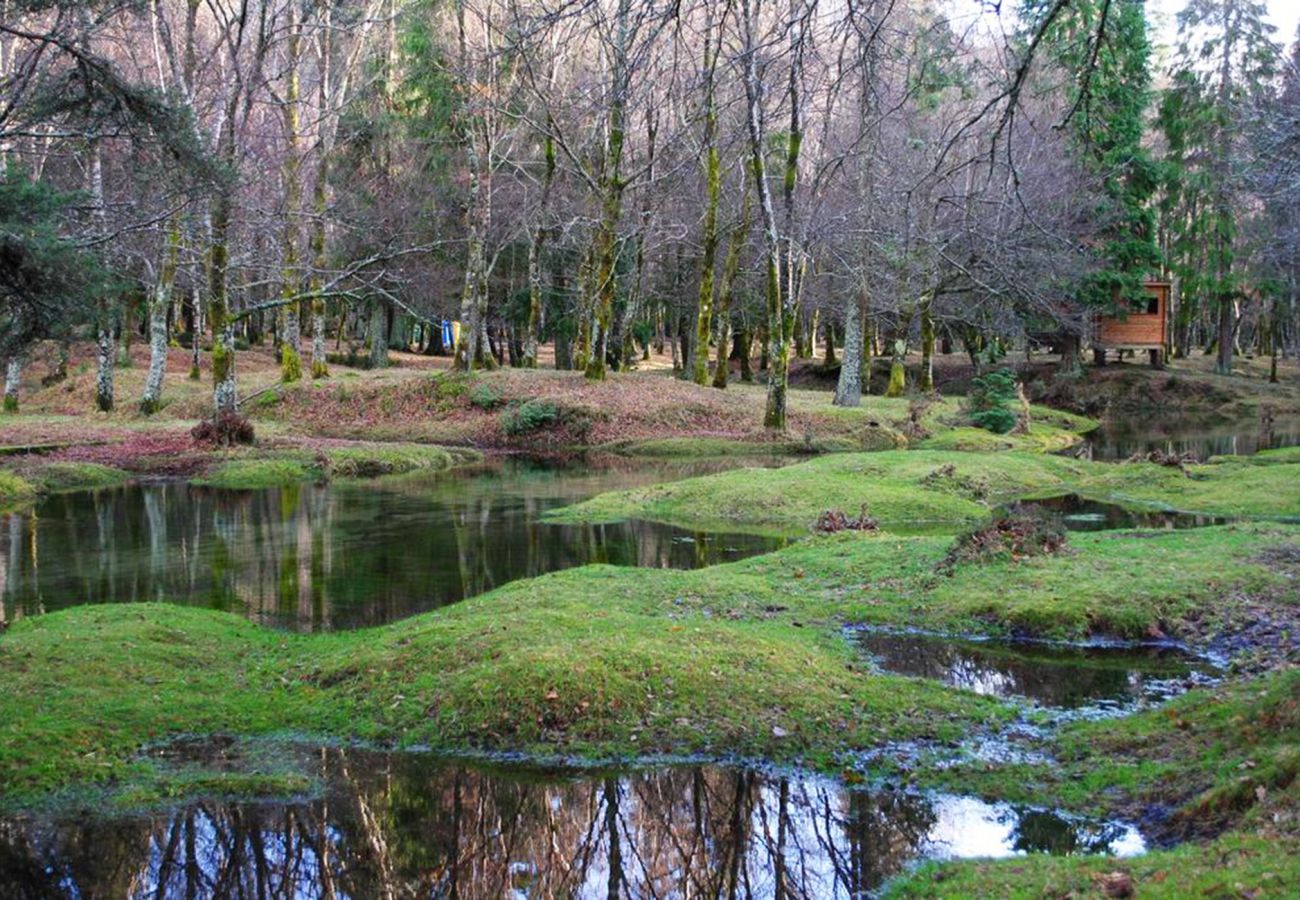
(486, 396)
(226, 429)
(1018, 533)
(529, 416)
(833, 520)
(989, 401)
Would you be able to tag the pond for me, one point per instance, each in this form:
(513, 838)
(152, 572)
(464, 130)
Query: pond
(411, 825)
(341, 555)
(1063, 676)
(1120, 439)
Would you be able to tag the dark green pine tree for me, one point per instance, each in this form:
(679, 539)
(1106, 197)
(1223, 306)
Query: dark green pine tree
(1103, 46)
(1226, 60)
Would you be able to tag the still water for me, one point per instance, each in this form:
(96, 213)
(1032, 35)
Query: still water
(1120, 439)
(342, 555)
(1062, 676)
(408, 825)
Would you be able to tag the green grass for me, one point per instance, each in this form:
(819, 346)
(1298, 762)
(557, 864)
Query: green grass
(358, 461)
(598, 661)
(255, 474)
(1239, 864)
(372, 460)
(531, 668)
(78, 476)
(15, 490)
(908, 490)
(22, 489)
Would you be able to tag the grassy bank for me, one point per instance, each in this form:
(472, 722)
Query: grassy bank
(255, 469)
(931, 488)
(744, 658)
(28, 481)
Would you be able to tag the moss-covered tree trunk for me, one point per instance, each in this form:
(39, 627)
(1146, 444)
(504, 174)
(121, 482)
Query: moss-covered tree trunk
(223, 334)
(158, 309)
(611, 188)
(927, 344)
(290, 332)
(726, 291)
(709, 229)
(535, 299)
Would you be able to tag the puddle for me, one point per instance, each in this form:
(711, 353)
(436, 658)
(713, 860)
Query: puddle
(1080, 514)
(408, 825)
(1053, 675)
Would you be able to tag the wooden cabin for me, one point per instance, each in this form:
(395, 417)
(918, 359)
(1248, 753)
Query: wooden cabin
(1143, 327)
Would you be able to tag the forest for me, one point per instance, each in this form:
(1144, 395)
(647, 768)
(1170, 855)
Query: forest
(791, 448)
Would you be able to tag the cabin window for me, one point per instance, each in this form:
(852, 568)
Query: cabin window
(1153, 305)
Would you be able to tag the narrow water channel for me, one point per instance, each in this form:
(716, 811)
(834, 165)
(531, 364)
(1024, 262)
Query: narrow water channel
(410, 825)
(337, 556)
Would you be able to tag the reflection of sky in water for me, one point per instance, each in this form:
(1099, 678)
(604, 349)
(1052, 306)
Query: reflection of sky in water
(404, 825)
(1062, 676)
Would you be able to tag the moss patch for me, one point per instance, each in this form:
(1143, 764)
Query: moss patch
(913, 489)
(254, 474)
(15, 490)
(371, 460)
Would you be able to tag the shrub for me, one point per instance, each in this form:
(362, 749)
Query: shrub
(226, 429)
(989, 401)
(529, 416)
(486, 396)
(1012, 535)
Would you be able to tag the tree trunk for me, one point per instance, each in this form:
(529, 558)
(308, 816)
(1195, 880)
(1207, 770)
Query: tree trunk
(611, 183)
(897, 370)
(848, 390)
(744, 347)
(927, 345)
(290, 332)
(378, 332)
(151, 400)
(105, 348)
(709, 236)
(13, 378)
(730, 268)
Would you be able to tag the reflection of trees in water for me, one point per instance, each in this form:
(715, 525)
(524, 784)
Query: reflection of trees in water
(309, 555)
(401, 826)
(1042, 831)
(1064, 677)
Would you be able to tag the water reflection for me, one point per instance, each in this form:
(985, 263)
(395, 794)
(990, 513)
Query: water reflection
(1121, 439)
(1067, 677)
(344, 555)
(1079, 514)
(408, 826)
